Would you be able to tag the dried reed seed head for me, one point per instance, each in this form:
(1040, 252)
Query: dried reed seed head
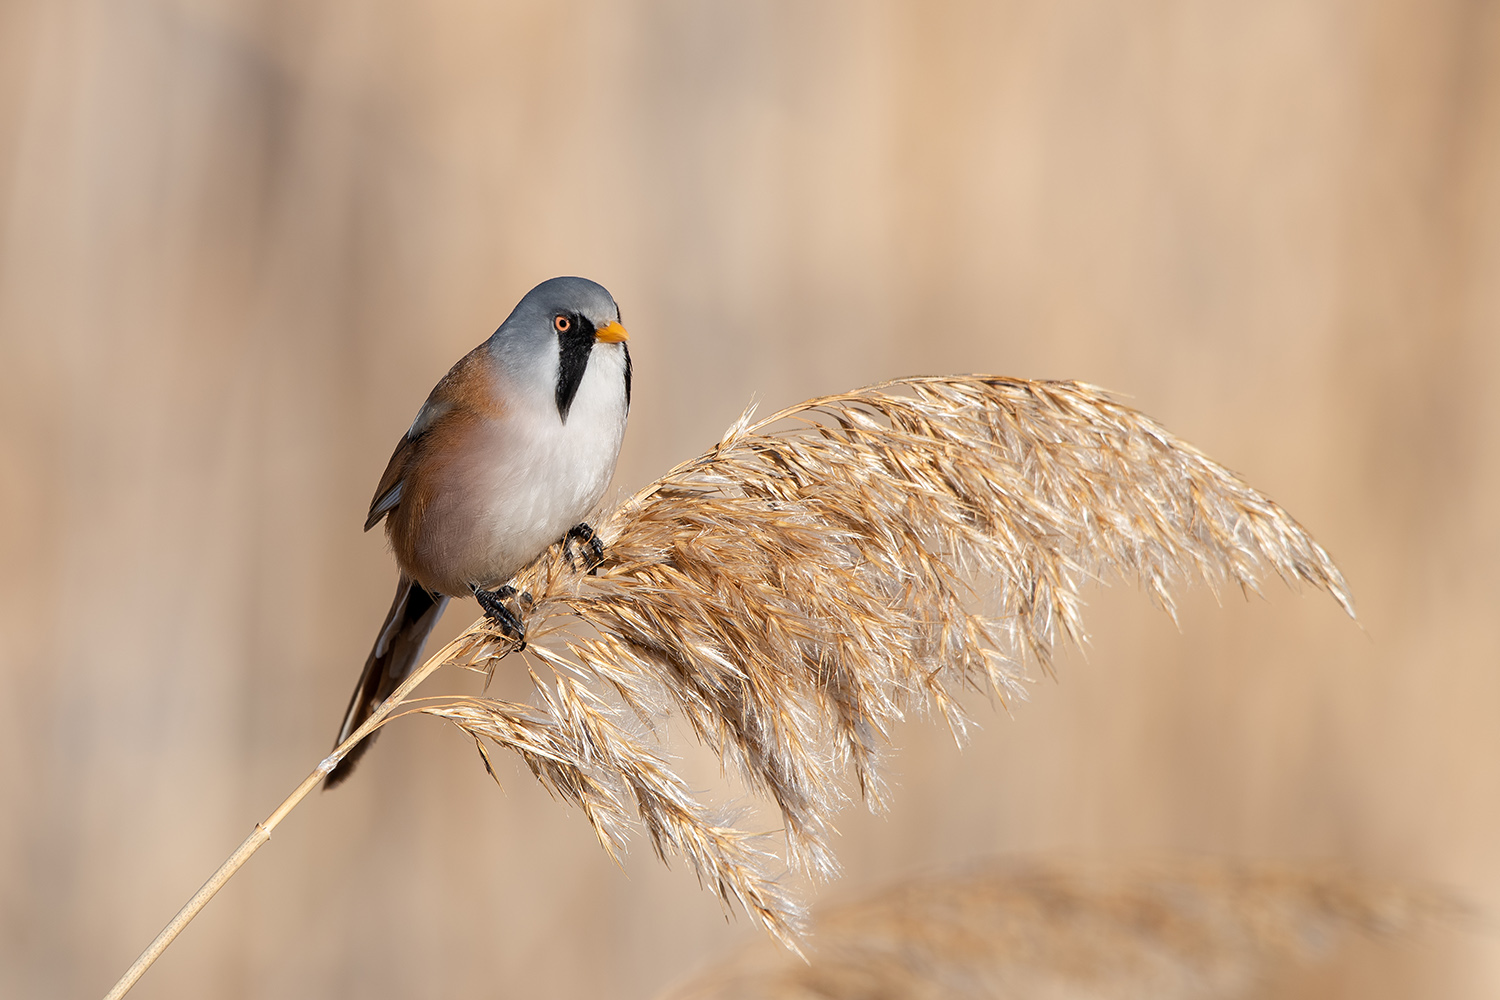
(818, 575)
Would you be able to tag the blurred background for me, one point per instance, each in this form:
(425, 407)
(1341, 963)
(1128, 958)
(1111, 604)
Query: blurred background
(240, 241)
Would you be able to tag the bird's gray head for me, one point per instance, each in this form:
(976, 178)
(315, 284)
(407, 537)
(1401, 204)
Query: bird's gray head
(565, 297)
(561, 319)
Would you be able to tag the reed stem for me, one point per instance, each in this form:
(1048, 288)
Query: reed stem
(262, 832)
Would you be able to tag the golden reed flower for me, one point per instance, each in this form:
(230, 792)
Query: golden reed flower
(817, 575)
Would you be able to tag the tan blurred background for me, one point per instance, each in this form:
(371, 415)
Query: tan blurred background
(241, 240)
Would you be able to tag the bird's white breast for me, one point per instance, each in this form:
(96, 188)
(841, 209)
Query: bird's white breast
(547, 473)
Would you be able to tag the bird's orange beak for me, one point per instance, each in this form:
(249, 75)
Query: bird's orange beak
(611, 333)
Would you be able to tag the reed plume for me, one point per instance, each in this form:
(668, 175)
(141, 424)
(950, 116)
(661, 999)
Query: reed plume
(1197, 929)
(815, 577)
(820, 574)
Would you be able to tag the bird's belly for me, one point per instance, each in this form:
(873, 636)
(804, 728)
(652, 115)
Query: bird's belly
(519, 485)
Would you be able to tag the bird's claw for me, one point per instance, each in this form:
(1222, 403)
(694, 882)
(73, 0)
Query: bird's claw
(581, 536)
(498, 611)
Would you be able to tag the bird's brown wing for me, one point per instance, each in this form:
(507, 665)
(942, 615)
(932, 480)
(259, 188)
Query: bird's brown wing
(467, 386)
(388, 493)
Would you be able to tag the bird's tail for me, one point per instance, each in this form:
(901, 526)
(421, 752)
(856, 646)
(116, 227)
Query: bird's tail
(397, 650)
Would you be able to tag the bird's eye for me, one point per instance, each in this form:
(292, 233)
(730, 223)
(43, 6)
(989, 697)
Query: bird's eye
(562, 323)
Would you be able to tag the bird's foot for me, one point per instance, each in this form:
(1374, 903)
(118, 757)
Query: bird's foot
(497, 610)
(581, 536)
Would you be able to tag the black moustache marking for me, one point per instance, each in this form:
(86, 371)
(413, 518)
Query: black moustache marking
(573, 357)
(627, 376)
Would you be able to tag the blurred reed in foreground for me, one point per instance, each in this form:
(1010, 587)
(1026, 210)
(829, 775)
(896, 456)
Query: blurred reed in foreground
(1209, 931)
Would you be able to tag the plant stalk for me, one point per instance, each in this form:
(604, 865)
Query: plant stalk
(262, 832)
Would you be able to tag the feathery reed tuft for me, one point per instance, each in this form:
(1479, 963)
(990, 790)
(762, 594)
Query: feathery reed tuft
(820, 574)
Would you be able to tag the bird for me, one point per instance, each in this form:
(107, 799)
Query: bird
(510, 452)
